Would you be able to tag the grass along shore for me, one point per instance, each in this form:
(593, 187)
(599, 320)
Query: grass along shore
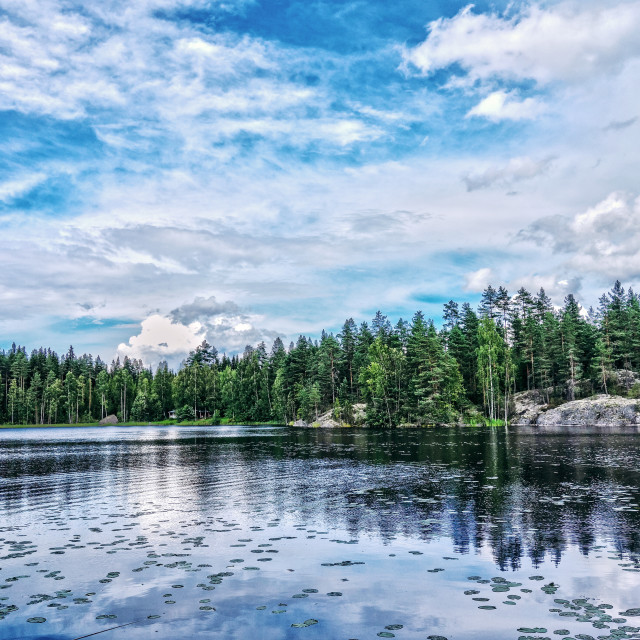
(207, 422)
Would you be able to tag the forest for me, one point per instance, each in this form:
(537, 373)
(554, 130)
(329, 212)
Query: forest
(409, 373)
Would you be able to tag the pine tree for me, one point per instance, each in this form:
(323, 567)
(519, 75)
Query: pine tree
(380, 326)
(465, 352)
(329, 357)
(488, 307)
(437, 382)
(347, 337)
(451, 315)
(382, 379)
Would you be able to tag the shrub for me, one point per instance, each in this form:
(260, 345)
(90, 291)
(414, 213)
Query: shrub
(185, 413)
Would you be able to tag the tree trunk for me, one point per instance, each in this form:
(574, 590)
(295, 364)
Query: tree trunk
(491, 396)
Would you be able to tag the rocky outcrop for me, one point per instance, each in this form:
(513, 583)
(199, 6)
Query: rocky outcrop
(527, 407)
(109, 420)
(326, 422)
(599, 411)
(359, 413)
(626, 379)
(328, 419)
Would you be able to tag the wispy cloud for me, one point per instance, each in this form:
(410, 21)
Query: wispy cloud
(516, 170)
(618, 125)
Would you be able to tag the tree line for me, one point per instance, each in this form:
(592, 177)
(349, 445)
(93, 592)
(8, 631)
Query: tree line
(410, 372)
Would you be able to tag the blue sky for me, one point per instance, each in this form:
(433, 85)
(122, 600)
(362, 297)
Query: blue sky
(180, 169)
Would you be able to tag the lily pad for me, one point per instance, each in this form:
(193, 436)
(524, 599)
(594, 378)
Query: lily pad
(306, 623)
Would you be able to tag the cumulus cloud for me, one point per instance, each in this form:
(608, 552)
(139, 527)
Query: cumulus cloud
(501, 105)
(170, 337)
(603, 240)
(566, 41)
(161, 339)
(517, 169)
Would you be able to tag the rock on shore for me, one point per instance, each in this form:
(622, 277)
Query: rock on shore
(528, 405)
(109, 420)
(327, 420)
(599, 411)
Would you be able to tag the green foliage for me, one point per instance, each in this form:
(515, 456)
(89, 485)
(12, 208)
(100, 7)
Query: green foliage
(494, 369)
(185, 413)
(146, 406)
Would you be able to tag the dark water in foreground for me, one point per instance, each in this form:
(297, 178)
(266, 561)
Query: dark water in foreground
(246, 532)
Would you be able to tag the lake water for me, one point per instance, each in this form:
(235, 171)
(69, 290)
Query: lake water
(272, 533)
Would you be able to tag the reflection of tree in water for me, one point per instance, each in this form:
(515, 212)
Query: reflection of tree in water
(520, 494)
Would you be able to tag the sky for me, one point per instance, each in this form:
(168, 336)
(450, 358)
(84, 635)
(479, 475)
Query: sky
(235, 170)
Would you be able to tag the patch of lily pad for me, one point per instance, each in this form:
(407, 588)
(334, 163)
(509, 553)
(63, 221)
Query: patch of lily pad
(306, 623)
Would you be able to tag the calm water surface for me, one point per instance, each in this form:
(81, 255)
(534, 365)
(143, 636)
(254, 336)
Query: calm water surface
(271, 533)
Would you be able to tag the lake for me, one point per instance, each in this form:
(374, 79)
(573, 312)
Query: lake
(274, 532)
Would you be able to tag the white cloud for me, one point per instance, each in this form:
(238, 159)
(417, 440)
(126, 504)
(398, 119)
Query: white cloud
(170, 337)
(13, 188)
(197, 88)
(554, 285)
(604, 216)
(501, 105)
(566, 41)
(603, 241)
(131, 256)
(161, 339)
(477, 281)
(516, 170)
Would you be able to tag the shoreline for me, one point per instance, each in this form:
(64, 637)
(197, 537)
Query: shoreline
(95, 425)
